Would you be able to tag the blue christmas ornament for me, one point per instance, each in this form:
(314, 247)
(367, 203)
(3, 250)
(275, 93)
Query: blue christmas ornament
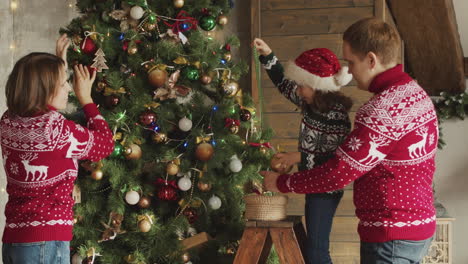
(223, 61)
(121, 36)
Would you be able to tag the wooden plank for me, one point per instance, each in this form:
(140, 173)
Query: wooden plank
(196, 240)
(288, 48)
(311, 21)
(285, 125)
(252, 245)
(345, 249)
(379, 9)
(296, 204)
(299, 4)
(433, 50)
(254, 32)
(286, 245)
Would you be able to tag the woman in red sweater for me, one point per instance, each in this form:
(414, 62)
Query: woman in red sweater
(40, 150)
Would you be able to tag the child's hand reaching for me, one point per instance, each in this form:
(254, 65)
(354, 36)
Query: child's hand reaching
(61, 47)
(261, 47)
(82, 83)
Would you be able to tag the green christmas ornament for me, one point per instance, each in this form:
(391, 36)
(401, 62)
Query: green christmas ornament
(191, 73)
(208, 23)
(118, 150)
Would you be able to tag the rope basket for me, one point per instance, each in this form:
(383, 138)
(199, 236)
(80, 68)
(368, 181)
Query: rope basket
(265, 208)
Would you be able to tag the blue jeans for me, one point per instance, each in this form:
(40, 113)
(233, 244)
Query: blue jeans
(44, 252)
(394, 252)
(319, 211)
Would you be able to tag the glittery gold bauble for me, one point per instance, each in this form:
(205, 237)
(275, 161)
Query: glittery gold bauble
(204, 186)
(186, 257)
(222, 20)
(276, 165)
(231, 88)
(101, 86)
(172, 168)
(159, 137)
(227, 56)
(150, 26)
(132, 152)
(157, 77)
(132, 50)
(97, 175)
(231, 250)
(178, 3)
(144, 202)
(144, 225)
(205, 79)
(77, 40)
(204, 151)
(263, 149)
(234, 129)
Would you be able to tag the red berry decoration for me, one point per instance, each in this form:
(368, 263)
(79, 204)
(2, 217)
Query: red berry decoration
(147, 117)
(167, 193)
(191, 214)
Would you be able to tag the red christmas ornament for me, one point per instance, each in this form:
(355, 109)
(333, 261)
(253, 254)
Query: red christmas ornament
(191, 214)
(147, 117)
(167, 193)
(88, 46)
(227, 47)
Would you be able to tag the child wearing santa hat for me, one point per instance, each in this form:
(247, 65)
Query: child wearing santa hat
(312, 82)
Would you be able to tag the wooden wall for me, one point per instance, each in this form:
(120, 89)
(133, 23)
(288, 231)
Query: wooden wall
(291, 27)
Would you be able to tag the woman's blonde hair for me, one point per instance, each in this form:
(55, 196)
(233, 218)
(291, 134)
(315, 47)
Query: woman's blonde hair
(32, 83)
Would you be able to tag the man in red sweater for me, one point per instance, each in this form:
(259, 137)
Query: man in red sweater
(389, 155)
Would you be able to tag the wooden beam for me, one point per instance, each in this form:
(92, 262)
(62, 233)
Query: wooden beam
(433, 49)
(254, 33)
(379, 9)
(196, 240)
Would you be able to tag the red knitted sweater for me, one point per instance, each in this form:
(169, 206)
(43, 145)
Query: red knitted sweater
(390, 157)
(40, 157)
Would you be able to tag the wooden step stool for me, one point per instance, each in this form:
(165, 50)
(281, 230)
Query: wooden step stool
(288, 236)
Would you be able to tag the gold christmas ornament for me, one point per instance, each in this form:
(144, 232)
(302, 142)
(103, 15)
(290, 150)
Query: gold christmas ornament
(150, 26)
(204, 151)
(159, 137)
(157, 77)
(144, 202)
(101, 86)
(205, 79)
(144, 225)
(234, 129)
(222, 20)
(132, 152)
(277, 166)
(178, 3)
(97, 175)
(263, 149)
(130, 258)
(132, 50)
(231, 88)
(186, 257)
(204, 186)
(227, 56)
(172, 168)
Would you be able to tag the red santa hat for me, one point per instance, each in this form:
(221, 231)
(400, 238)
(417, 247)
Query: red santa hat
(319, 69)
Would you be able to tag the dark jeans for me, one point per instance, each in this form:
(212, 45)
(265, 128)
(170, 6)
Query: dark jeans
(45, 252)
(319, 211)
(394, 252)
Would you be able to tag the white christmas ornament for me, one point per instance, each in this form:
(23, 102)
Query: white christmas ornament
(185, 124)
(137, 12)
(184, 183)
(214, 202)
(235, 165)
(132, 197)
(76, 259)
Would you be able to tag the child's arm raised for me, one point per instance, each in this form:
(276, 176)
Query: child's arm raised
(275, 71)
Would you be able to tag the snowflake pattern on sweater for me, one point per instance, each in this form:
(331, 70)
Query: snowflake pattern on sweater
(390, 157)
(40, 157)
(320, 133)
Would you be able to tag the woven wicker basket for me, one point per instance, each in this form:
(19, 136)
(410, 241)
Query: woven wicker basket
(265, 208)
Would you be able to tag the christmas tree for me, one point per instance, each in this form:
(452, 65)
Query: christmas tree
(187, 138)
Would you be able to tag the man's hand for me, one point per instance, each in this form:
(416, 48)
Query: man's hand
(269, 180)
(61, 47)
